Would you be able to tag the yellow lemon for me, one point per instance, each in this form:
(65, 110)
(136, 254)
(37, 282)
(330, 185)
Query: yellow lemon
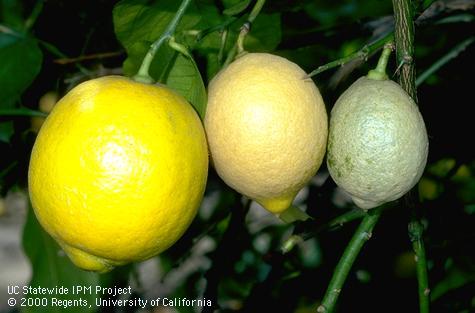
(118, 171)
(377, 144)
(266, 128)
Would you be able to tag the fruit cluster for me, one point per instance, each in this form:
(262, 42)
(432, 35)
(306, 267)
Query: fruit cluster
(119, 167)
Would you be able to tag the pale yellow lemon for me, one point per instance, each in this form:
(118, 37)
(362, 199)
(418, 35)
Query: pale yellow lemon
(267, 128)
(118, 171)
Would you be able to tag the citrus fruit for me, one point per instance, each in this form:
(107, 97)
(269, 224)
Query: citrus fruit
(48, 101)
(267, 128)
(118, 171)
(377, 144)
(45, 105)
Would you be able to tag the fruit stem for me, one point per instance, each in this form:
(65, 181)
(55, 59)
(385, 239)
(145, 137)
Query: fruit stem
(256, 10)
(379, 73)
(238, 49)
(246, 27)
(360, 55)
(363, 233)
(143, 74)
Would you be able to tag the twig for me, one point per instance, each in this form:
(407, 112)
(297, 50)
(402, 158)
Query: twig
(444, 60)
(310, 231)
(200, 34)
(362, 54)
(55, 51)
(404, 37)
(245, 29)
(363, 233)
(431, 12)
(103, 55)
(338, 221)
(143, 73)
(440, 8)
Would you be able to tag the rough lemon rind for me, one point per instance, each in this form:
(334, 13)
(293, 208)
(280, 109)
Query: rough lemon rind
(266, 127)
(378, 145)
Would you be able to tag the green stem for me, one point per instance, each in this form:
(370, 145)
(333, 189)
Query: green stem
(415, 233)
(362, 234)
(256, 10)
(240, 40)
(238, 49)
(178, 47)
(143, 73)
(221, 27)
(338, 221)
(361, 54)
(444, 60)
(231, 54)
(379, 73)
(311, 231)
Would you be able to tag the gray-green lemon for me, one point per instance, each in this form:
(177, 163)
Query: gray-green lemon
(377, 146)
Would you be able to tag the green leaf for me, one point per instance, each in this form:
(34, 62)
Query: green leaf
(137, 25)
(265, 34)
(21, 62)
(11, 13)
(51, 267)
(135, 20)
(170, 68)
(212, 65)
(237, 8)
(185, 78)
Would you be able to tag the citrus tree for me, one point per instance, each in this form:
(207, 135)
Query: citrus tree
(237, 156)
